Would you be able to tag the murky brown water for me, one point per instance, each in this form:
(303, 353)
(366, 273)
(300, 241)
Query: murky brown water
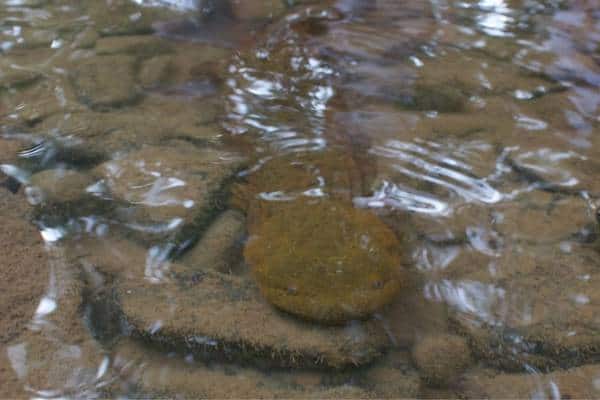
(414, 186)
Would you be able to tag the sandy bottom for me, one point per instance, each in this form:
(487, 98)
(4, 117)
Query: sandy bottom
(24, 281)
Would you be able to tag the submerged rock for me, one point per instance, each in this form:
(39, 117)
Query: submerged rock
(155, 70)
(174, 186)
(575, 383)
(38, 101)
(538, 309)
(298, 176)
(86, 39)
(442, 358)
(60, 185)
(597, 211)
(220, 316)
(225, 317)
(223, 23)
(58, 351)
(311, 252)
(9, 150)
(325, 260)
(154, 373)
(24, 273)
(219, 249)
(11, 387)
(17, 78)
(107, 81)
(441, 98)
(120, 131)
(122, 17)
(157, 375)
(257, 9)
(142, 46)
(551, 218)
(394, 377)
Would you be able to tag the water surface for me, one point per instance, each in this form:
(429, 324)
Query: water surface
(147, 142)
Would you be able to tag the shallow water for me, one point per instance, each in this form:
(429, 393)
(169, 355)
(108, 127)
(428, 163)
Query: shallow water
(152, 144)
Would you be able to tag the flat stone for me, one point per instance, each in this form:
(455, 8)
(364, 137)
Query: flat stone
(228, 315)
(121, 17)
(543, 218)
(575, 383)
(219, 315)
(122, 130)
(60, 185)
(24, 272)
(105, 82)
(549, 113)
(257, 9)
(72, 362)
(177, 186)
(571, 174)
(155, 71)
(532, 305)
(15, 78)
(40, 301)
(392, 377)
(476, 74)
(139, 45)
(104, 132)
(31, 104)
(35, 38)
(194, 61)
(436, 97)
(161, 376)
(220, 248)
(189, 118)
(86, 39)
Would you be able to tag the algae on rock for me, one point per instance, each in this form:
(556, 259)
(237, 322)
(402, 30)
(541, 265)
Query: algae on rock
(311, 251)
(325, 260)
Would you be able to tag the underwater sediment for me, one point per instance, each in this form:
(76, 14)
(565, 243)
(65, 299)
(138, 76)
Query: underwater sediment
(291, 199)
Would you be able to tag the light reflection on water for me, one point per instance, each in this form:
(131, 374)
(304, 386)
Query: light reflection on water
(495, 18)
(183, 5)
(413, 161)
(473, 125)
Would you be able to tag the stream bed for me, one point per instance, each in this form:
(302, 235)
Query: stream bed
(300, 199)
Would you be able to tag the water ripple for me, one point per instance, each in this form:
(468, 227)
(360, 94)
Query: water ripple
(430, 162)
